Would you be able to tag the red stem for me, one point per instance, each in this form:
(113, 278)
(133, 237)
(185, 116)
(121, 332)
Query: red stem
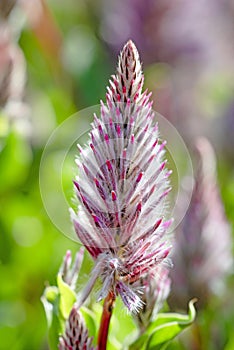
(105, 320)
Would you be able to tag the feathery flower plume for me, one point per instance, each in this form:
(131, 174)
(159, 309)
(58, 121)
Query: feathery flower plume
(69, 271)
(76, 335)
(156, 288)
(202, 250)
(121, 187)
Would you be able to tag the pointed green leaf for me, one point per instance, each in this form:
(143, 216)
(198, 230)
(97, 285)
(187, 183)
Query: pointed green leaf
(140, 343)
(167, 326)
(163, 329)
(90, 320)
(67, 297)
(50, 300)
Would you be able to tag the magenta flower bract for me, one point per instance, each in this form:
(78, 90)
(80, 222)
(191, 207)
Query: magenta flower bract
(122, 185)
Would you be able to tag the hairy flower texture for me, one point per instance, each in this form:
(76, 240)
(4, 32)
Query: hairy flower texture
(156, 288)
(76, 335)
(122, 185)
(69, 271)
(202, 251)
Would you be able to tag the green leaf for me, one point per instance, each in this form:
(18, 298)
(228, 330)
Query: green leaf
(90, 320)
(50, 300)
(58, 302)
(67, 297)
(140, 343)
(167, 326)
(163, 329)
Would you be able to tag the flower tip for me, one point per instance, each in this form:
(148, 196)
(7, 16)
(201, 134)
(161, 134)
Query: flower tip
(76, 185)
(68, 254)
(114, 196)
(81, 251)
(130, 53)
(139, 206)
(130, 45)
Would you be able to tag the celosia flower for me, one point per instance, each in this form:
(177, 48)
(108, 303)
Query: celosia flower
(121, 187)
(202, 251)
(156, 288)
(76, 335)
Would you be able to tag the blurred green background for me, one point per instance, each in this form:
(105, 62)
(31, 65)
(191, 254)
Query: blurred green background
(56, 58)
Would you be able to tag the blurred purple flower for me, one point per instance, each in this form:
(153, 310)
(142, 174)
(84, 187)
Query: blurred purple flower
(76, 335)
(12, 71)
(155, 290)
(224, 131)
(13, 67)
(165, 30)
(202, 251)
(192, 43)
(6, 7)
(122, 186)
(123, 19)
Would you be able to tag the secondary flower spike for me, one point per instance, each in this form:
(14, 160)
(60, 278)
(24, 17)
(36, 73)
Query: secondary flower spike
(121, 187)
(76, 335)
(156, 288)
(203, 248)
